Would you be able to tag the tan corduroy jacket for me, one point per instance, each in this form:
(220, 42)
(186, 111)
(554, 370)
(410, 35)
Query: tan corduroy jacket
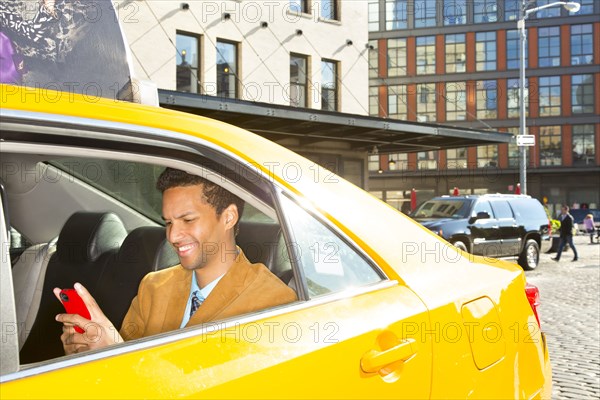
(163, 295)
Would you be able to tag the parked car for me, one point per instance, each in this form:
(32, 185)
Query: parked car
(494, 225)
(379, 314)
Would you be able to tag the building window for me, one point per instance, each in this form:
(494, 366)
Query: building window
(188, 56)
(456, 101)
(298, 80)
(398, 162)
(329, 9)
(582, 44)
(456, 54)
(397, 102)
(455, 12)
(549, 47)
(584, 148)
(487, 99)
(487, 156)
(227, 67)
(373, 16)
(511, 10)
(300, 6)
(427, 160)
(329, 82)
(513, 50)
(485, 11)
(426, 55)
(550, 146)
(547, 12)
(373, 58)
(395, 14)
(513, 149)
(373, 162)
(582, 94)
(426, 102)
(549, 95)
(456, 158)
(512, 98)
(396, 57)
(425, 13)
(374, 101)
(485, 51)
(587, 7)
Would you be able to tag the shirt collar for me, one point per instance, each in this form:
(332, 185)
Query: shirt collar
(207, 289)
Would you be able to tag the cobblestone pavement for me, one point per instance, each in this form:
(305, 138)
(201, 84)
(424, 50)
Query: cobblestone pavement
(570, 316)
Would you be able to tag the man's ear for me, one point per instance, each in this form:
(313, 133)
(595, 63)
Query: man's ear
(230, 216)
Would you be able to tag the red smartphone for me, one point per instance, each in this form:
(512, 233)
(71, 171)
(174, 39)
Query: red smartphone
(74, 305)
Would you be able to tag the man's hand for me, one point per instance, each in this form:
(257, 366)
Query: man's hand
(99, 331)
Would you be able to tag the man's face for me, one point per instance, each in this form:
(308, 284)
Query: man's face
(563, 210)
(193, 228)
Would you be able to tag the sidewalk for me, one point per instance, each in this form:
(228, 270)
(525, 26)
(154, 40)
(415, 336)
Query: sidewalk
(586, 252)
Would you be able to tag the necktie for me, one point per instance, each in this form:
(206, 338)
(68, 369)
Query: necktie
(197, 300)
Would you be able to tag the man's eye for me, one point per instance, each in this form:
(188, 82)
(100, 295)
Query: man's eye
(167, 223)
(188, 220)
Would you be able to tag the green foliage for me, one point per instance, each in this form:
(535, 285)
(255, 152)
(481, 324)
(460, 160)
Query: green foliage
(555, 225)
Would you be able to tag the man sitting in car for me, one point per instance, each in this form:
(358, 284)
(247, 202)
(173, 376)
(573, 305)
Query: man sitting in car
(214, 279)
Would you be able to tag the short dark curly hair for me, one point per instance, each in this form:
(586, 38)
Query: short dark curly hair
(214, 194)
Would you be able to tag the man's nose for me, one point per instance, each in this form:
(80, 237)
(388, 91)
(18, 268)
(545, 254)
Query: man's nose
(174, 233)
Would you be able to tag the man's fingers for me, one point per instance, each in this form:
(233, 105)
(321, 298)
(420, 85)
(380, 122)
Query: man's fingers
(57, 293)
(73, 319)
(88, 300)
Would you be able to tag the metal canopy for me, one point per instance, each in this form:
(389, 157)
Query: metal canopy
(276, 122)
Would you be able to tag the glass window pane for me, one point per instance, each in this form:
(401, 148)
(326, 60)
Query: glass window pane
(187, 72)
(226, 69)
(298, 86)
(395, 14)
(582, 94)
(329, 263)
(455, 12)
(584, 147)
(550, 146)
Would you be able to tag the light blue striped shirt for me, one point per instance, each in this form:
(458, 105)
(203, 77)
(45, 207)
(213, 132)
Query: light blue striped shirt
(204, 292)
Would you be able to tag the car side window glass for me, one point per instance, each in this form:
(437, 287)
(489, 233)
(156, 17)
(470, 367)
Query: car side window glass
(329, 263)
(483, 206)
(502, 209)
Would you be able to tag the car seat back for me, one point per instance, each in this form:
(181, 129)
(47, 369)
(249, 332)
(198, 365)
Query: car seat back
(144, 250)
(85, 244)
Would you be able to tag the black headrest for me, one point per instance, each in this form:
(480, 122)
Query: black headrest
(259, 241)
(147, 247)
(87, 235)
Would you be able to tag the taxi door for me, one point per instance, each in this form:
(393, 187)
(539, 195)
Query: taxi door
(353, 334)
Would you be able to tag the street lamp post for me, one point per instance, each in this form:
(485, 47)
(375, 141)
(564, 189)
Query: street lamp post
(570, 6)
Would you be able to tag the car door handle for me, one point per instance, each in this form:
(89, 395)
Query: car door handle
(375, 360)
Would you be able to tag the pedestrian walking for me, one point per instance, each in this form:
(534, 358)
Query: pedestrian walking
(588, 224)
(566, 233)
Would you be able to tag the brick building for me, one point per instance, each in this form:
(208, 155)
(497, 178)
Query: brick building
(456, 62)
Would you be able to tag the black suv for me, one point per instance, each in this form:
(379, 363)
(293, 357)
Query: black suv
(493, 225)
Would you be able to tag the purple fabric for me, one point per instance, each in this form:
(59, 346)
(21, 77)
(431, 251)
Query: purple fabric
(9, 72)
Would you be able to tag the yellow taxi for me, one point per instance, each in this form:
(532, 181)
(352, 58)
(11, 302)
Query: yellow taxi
(385, 309)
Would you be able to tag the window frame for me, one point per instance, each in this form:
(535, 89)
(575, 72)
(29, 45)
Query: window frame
(198, 68)
(303, 86)
(555, 151)
(549, 46)
(235, 73)
(335, 90)
(587, 87)
(166, 148)
(487, 58)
